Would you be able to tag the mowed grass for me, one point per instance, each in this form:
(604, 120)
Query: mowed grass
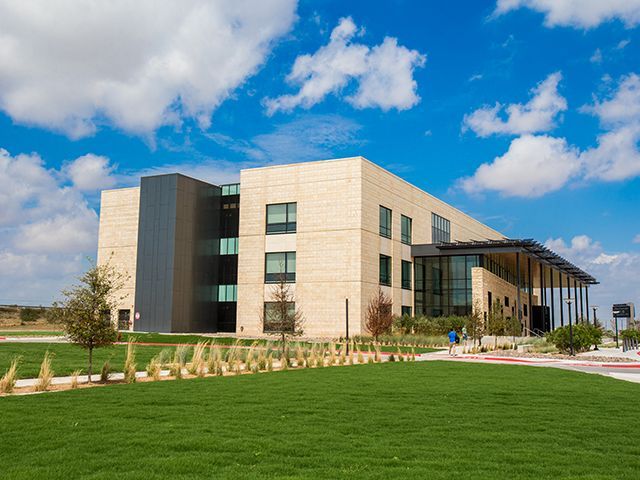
(435, 420)
(66, 357)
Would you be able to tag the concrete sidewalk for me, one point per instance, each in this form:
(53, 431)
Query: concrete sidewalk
(627, 371)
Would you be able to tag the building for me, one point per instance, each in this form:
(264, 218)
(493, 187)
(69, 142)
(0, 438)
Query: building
(203, 257)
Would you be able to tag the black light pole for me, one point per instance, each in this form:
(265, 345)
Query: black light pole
(595, 318)
(346, 307)
(569, 301)
(617, 344)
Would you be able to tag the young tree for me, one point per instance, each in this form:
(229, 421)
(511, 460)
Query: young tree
(475, 323)
(280, 316)
(85, 312)
(496, 322)
(379, 318)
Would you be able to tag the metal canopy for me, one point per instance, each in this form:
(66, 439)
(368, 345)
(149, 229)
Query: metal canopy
(507, 245)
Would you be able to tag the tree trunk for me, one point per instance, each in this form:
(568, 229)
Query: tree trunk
(284, 346)
(90, 363)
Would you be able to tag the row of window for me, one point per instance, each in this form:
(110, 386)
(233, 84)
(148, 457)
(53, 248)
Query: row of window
(440, 227)
(232, 189)
(386, 221)
(386, 270)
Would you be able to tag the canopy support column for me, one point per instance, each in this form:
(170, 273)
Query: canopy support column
(553, 313)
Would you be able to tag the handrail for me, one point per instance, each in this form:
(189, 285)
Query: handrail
(531, 333)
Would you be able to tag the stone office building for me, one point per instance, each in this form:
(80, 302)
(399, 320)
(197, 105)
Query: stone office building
(204, 258)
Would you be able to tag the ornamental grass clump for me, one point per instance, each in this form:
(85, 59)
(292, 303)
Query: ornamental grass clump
(300, 360)
(8, 380)
(270, 362)
(284, 363)
(105, 372)
(413, 354)
(180, 355)
(45, 375)
(360, 356)
(341, 356)
(378, 357)
(197, 366)
(175, 370)
(74, 379)
(153, 368)
(130, 364)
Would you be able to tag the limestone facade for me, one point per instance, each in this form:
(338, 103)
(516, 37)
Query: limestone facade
(118, 239)
(337, 239)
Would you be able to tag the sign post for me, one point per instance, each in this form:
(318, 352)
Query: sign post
(620, 310)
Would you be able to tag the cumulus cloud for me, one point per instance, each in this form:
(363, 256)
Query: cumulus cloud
(533, 166)
(46, 228)
(91, 172)
(577, 13)
(72, 65)
(616, 271)
(537, 115)
(616, 155)
(383, 73)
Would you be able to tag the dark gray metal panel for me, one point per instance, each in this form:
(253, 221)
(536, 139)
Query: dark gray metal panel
(176, 273)
(156, 244)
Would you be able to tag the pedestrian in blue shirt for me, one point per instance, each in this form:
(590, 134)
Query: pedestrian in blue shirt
(452, 341)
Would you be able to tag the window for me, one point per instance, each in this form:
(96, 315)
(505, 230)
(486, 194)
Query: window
(227, 293)
(490, 300)
(272, 317)
(281, 218)
(123, 319)
(405, 227)
(232, 189)
(406, 275)
(526, 310)
(280, 266)
(406, 311)
(385, 270)
(228, 246)
(440, 229)
(385, 222)
(506, 301)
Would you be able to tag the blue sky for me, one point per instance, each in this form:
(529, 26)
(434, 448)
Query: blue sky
(94, 101)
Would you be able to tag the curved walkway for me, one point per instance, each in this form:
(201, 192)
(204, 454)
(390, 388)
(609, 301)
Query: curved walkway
(628, 371)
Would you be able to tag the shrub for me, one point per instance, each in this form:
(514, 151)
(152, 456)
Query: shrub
(584, 335)
(180, 355)
(45, 375)
(630, 334)
(105, 373)
(30, 314)
(197, 361)
(8, 380)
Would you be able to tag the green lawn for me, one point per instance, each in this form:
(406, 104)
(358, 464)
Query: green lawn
(435, 420)
(67, 357)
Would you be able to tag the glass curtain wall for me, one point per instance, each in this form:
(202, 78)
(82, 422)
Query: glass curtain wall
(443, 284)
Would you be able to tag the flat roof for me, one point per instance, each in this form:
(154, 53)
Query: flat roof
(528, 247)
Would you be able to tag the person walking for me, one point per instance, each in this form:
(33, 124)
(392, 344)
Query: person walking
(465, 337)
(452, 342)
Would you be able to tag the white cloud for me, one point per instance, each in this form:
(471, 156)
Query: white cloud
(622, 44)
(91, 172)
(616, 155)
(636, 239)
(616, 271)
(596, 57)
(535, 165)
(537, 115)
(384, 73)
(623, 107)
(46, 228)
(72, 65)
(532, 167)
(577, 13)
